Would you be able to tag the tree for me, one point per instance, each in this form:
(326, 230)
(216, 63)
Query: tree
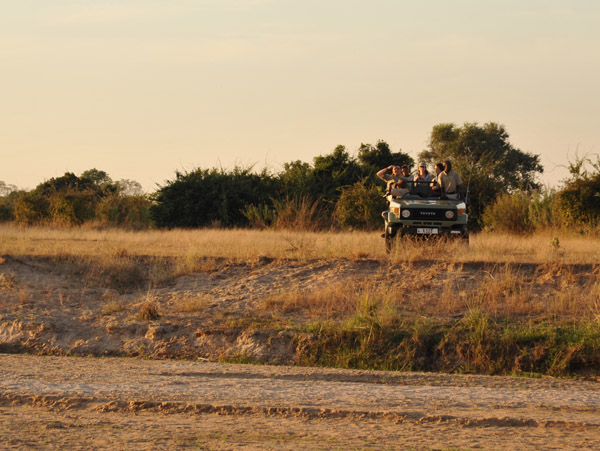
(485, 159)
(6, 189)
(332, 172)
(296, 180)
(128, 187)
(380, 156)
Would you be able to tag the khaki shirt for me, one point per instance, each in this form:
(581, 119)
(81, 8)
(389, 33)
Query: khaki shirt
(450, 182)
(390, 177)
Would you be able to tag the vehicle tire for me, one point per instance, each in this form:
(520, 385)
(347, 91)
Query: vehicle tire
(465, 238)
(390, 238)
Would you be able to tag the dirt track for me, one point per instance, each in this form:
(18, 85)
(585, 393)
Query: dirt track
(73, 402)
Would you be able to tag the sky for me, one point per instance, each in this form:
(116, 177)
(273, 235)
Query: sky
(144, 88)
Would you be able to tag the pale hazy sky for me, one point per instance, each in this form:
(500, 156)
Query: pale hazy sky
(141, 88)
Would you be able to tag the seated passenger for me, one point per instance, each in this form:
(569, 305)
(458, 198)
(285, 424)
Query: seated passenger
(439, 168)
(405, 175)
(397, 189)
(449, 181)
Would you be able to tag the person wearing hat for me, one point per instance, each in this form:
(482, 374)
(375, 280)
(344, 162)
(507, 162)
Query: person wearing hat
(423, 174)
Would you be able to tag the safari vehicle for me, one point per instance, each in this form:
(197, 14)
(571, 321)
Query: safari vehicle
(421, 211)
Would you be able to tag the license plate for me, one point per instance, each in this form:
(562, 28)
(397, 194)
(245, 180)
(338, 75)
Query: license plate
(427, 231)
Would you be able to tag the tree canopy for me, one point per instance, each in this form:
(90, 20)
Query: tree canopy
(485, 159)
(380, 156)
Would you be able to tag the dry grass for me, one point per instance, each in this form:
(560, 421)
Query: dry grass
(148, 308)
(190, 246)
(411, 291)
(426, 278)
(7, 282)
(330, 302)
(113, 306)
(189, 302)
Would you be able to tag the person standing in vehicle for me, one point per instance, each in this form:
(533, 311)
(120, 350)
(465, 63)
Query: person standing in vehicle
(449, 181)
(391, 173)
(390, 178)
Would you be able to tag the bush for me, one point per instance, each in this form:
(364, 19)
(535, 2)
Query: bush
(360, 207)
(580, 199)
(7, 207)
(71, 208)
(522, 212)
(128, 211)
(206, 197)
(509, 213)
(31, 208)
(293, 214)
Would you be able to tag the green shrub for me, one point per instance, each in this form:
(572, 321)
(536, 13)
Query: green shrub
(580, 199)
(523, 212)
(71, 207)
(579, 196)
(360, 207)
(205, 197)
(128, 211)
(31, 208)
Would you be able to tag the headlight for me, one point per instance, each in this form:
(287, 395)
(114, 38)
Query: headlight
(449, 214)
(406, 213)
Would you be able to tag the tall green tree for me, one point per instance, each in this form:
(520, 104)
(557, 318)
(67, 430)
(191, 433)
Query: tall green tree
(373, 158)
(332, 172)
(486, 160)
(296, 180)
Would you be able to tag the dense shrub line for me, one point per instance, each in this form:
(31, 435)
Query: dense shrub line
(574, 206)
(71, 200)
(336, 191)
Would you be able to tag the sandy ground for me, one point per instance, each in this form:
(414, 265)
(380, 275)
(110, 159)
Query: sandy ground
(68, 307)
(124, 403)
(92, 401)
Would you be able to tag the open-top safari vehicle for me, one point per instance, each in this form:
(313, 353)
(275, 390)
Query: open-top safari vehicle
(421, 211)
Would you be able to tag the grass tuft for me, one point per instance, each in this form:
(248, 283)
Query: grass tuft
(148, 310)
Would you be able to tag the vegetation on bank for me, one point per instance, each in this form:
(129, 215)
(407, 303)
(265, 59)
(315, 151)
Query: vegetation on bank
(338, 191)
(507, 304)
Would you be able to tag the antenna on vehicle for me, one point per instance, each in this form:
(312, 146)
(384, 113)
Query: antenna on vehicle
(472, 165)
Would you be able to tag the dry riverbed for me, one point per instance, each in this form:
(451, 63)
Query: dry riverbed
(64, 319)
(107, 403)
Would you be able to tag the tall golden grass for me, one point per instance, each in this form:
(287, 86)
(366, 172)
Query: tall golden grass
(463, 302)
(244, 245)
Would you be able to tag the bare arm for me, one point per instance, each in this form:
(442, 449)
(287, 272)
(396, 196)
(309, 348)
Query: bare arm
(382, 172)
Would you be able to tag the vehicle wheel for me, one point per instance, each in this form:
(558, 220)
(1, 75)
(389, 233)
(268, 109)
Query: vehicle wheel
(465, 238)
(390, 238)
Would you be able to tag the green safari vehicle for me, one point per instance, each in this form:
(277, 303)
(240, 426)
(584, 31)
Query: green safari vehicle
(421, 211)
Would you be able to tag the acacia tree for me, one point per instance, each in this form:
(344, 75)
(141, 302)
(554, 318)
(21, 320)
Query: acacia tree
(485, 159)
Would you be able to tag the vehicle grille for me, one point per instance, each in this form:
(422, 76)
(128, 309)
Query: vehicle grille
(433, 215)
